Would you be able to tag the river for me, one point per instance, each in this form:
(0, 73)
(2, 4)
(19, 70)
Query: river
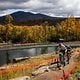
(8, 55)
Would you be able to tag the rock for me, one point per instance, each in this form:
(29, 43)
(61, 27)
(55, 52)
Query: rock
(22, 78)
(41, 65)
(41, 70)
(55, 66)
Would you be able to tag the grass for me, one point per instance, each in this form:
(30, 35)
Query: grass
(73, 75)
(28, 71)
(18, 73)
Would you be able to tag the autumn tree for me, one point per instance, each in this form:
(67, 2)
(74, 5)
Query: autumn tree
(69, 29)
(8, 20)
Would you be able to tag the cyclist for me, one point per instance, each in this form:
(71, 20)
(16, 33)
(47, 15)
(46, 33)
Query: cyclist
(62, 50)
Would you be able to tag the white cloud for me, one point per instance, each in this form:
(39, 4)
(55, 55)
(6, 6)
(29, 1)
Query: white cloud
(36, 4)
(51, 7)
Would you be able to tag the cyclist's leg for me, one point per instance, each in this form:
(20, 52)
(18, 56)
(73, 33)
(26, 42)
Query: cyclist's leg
(64, 60)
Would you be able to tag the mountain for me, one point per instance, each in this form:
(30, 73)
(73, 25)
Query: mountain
(23, 16)
(29, 18)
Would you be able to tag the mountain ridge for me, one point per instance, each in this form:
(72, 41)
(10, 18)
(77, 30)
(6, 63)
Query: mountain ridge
(28, 18)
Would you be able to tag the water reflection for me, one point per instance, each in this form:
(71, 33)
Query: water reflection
(23, 53)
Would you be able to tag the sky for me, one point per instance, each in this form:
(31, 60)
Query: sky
(49, 7)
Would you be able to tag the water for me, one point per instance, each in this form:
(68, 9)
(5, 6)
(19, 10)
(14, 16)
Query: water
(16, 53)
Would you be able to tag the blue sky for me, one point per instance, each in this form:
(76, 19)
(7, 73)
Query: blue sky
(49, 7)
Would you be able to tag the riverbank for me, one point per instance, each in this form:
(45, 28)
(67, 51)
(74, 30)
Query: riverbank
(30, 60)
(8, 45)
(28, 71)
(25, 71)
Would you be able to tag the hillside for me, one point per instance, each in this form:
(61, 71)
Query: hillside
(29, 18)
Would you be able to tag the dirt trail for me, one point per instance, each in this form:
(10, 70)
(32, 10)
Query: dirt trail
(52, 75)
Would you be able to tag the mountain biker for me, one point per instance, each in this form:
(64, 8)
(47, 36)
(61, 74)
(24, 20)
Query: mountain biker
(62, 50)
(69, 49)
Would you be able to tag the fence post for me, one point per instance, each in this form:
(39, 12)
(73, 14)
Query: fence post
(64, 75)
